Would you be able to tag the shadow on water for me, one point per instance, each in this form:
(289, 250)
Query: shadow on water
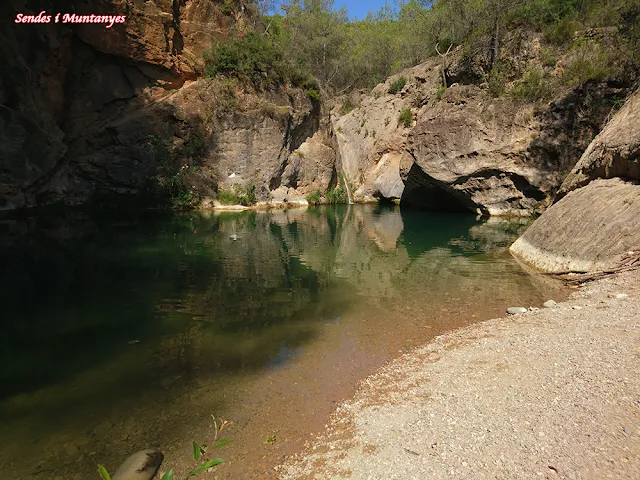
(77, 294)
(425, 230)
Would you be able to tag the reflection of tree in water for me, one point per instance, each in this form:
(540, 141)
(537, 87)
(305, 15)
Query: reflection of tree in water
(77, 300)
(232, 287)
(209, 297)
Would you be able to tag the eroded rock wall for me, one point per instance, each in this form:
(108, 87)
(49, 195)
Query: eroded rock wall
(614, 153)
(464, 149)
(596, 224)
(89, 114)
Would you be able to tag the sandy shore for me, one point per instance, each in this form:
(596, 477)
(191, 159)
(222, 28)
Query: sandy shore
(553, 393)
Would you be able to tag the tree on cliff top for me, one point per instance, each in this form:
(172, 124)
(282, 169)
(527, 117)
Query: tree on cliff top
(313, 39)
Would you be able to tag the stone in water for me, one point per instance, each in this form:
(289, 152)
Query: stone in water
(142, 465)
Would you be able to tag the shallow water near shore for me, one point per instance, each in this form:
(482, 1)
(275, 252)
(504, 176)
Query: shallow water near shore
(123, 334)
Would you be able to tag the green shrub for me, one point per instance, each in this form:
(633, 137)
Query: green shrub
(397, 85)
(496, 83)
(338, 194)
(548, 58)
(532, 87)
(195, 147)
(588, 61)
(227, 7)
(252, 56)
(313, 94)
(238, 195)
(170, 178)
(406, 117)
(441, 91)
(562, 31)
(314, 198)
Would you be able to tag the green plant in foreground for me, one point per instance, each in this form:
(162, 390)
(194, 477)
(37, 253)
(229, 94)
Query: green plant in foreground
(271, 439)
(198, 455)
(406, 117)
(397, 85)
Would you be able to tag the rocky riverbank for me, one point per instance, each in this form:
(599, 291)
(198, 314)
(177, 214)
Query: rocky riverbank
(550, 394)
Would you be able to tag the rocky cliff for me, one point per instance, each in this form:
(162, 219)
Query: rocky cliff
(125, 114)
(466, 147)
(596, 225)
(89, 113)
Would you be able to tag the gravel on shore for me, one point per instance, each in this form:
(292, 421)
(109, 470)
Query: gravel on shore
(552, 394)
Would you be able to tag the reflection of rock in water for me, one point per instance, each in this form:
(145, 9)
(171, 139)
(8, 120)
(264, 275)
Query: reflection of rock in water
(495, 232)
(424, 231)
(209, 312)
(387, 228)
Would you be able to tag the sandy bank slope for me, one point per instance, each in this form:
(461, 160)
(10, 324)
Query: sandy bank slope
(548, 394)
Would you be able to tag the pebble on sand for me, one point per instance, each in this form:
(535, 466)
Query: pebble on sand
(549, 304)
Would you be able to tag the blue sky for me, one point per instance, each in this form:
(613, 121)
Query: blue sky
(360, 8)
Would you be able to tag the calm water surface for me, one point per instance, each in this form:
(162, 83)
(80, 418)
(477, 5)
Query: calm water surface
(118, 335)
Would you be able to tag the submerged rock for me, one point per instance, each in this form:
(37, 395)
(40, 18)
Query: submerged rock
(142, 465)
(103, 428)
(516, 310)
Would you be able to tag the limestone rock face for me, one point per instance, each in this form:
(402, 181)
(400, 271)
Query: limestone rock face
(465, 150)
(311, 167)
(65, 85)
(615, 152)
(590, 229)
(497, 156)
(89, 114)
(473, 152)
(597, 222)
(370, 139)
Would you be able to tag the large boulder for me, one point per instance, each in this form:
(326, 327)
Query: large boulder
(613, 153)
(591, 229)
(597, 222)
(472, 152)
(499, 156)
